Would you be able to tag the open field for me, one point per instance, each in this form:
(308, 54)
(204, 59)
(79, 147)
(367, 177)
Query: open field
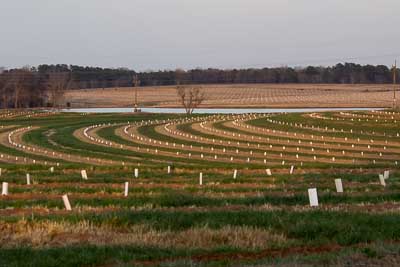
(242, 95)
(209, 190)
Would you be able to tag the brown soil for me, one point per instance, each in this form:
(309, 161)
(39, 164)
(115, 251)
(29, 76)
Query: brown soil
(242, 95)
(243, 256)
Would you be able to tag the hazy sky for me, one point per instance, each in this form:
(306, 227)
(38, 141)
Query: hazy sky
(167, 34)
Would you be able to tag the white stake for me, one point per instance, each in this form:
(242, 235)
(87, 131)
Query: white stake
(339, 185)
(84, 174)
(169, 169)
(201, 178)
(126, 189)
(66, 202)
(52, 169)
(136, 173)
(234, 174)
(382, 180)
(386, 175)
(4, 191)
(269, 173)
(28, 179)
(313, 196)
(1, 171)
(291, 169)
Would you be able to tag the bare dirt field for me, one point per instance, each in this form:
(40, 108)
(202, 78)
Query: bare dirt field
(242, 95)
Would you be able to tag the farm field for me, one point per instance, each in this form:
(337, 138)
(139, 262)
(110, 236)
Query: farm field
(200, 190)
(242, 95)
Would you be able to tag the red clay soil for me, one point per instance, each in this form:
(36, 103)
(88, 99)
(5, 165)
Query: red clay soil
(243, 256)
(272, 253)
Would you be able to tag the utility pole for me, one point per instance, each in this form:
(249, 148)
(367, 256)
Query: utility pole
(394, 84)
(136, 84)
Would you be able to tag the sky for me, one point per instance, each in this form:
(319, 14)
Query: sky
(168, 34)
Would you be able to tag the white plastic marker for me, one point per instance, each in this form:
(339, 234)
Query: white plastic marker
(313, 196)
(339, 185)
(291, 169)
(269, 173)
(126, 189)
(84, 174)
(234, 174)
(386, 174)
(66, 202)
(52, 169)
(28, 179)
(382, 180)
(0, 171)
(201, 178)
(4, 189)
(136, 173)
(169, 169)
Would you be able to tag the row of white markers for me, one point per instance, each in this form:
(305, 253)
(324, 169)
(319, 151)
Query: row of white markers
(4, 188)
(313, 195)
(312, 192)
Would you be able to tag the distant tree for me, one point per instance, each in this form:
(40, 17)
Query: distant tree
(20, 81)
(24, 88)
(190, 97)
(4, 82)
(180, 76)
(56, 84)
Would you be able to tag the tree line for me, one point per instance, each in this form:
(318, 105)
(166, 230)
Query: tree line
(92, 77)
(348, 73)
(27, 88)
(45, 85)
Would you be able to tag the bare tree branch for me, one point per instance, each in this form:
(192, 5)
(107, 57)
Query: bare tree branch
(190, 97)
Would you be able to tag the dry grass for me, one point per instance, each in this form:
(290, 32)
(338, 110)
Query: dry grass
(57, 234)
(242, 95)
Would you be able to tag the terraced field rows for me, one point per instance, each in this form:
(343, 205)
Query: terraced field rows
(251, 207)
